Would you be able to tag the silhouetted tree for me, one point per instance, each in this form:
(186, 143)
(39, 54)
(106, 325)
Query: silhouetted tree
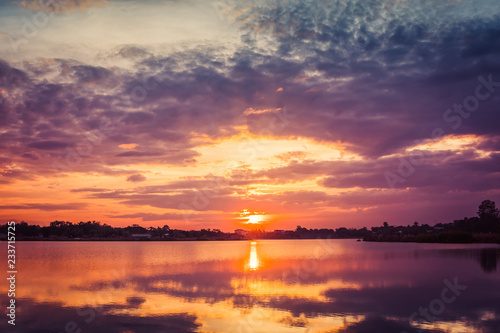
(488, 216)
(487, 210)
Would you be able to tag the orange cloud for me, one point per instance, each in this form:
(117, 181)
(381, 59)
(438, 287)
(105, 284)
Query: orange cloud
(128, 145)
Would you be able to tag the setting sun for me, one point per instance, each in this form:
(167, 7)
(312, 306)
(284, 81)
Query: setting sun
(255, 219)
(252, 217)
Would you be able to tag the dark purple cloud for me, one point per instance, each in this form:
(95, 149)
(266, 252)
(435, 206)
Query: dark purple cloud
(30, 156)
(48, 145)
(137, 154)
(51, 317)
(85, 189)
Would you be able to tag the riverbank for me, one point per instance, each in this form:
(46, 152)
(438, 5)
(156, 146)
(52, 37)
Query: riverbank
(457, 237)
(165, 239)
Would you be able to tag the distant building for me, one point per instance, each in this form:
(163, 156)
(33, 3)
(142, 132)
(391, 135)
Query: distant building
(241, 232)
(141, 236)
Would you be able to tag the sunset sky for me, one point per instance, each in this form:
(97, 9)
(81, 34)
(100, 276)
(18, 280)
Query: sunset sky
(241, 114)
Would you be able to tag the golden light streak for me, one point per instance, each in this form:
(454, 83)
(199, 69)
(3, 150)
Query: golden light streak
(253, 261)
(452, 143)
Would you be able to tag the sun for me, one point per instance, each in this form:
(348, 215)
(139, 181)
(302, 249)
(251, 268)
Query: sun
(255, 219)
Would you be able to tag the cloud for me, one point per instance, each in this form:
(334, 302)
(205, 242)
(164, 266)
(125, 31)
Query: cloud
(372, 59)
(292, 155)
(10, 76)
(135, 302)
(138, 118)
(59, 6)
(51, 317)
(150, 216)
(133, 52)
(12, 174)
(136, 178)
(380, 324)
(30, 156)
(459, 170)
(137, 154)
(48, 207)
(48, 145)
(86, 189)
(365, 290)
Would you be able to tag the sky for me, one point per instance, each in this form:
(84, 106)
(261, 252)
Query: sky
(249, 114)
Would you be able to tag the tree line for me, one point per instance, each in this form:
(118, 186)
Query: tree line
(465, 230)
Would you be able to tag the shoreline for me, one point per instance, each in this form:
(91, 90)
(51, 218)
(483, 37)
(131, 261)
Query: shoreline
(166, 240)
(456, 237)
(479, 240)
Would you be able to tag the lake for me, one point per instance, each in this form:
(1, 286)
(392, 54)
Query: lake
(256, 286)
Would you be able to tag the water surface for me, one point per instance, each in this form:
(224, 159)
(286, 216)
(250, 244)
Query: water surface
(256, 286)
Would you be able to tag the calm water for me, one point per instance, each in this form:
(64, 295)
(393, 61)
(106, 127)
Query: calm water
(263, 286)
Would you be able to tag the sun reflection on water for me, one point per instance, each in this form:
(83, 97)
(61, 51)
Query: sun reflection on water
(253, 263)
(219, 286)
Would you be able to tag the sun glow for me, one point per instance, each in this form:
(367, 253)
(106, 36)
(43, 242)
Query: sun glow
(255, 219)
(252, 217)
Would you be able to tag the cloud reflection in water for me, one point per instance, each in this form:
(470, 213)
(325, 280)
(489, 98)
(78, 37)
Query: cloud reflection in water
(221, 286)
